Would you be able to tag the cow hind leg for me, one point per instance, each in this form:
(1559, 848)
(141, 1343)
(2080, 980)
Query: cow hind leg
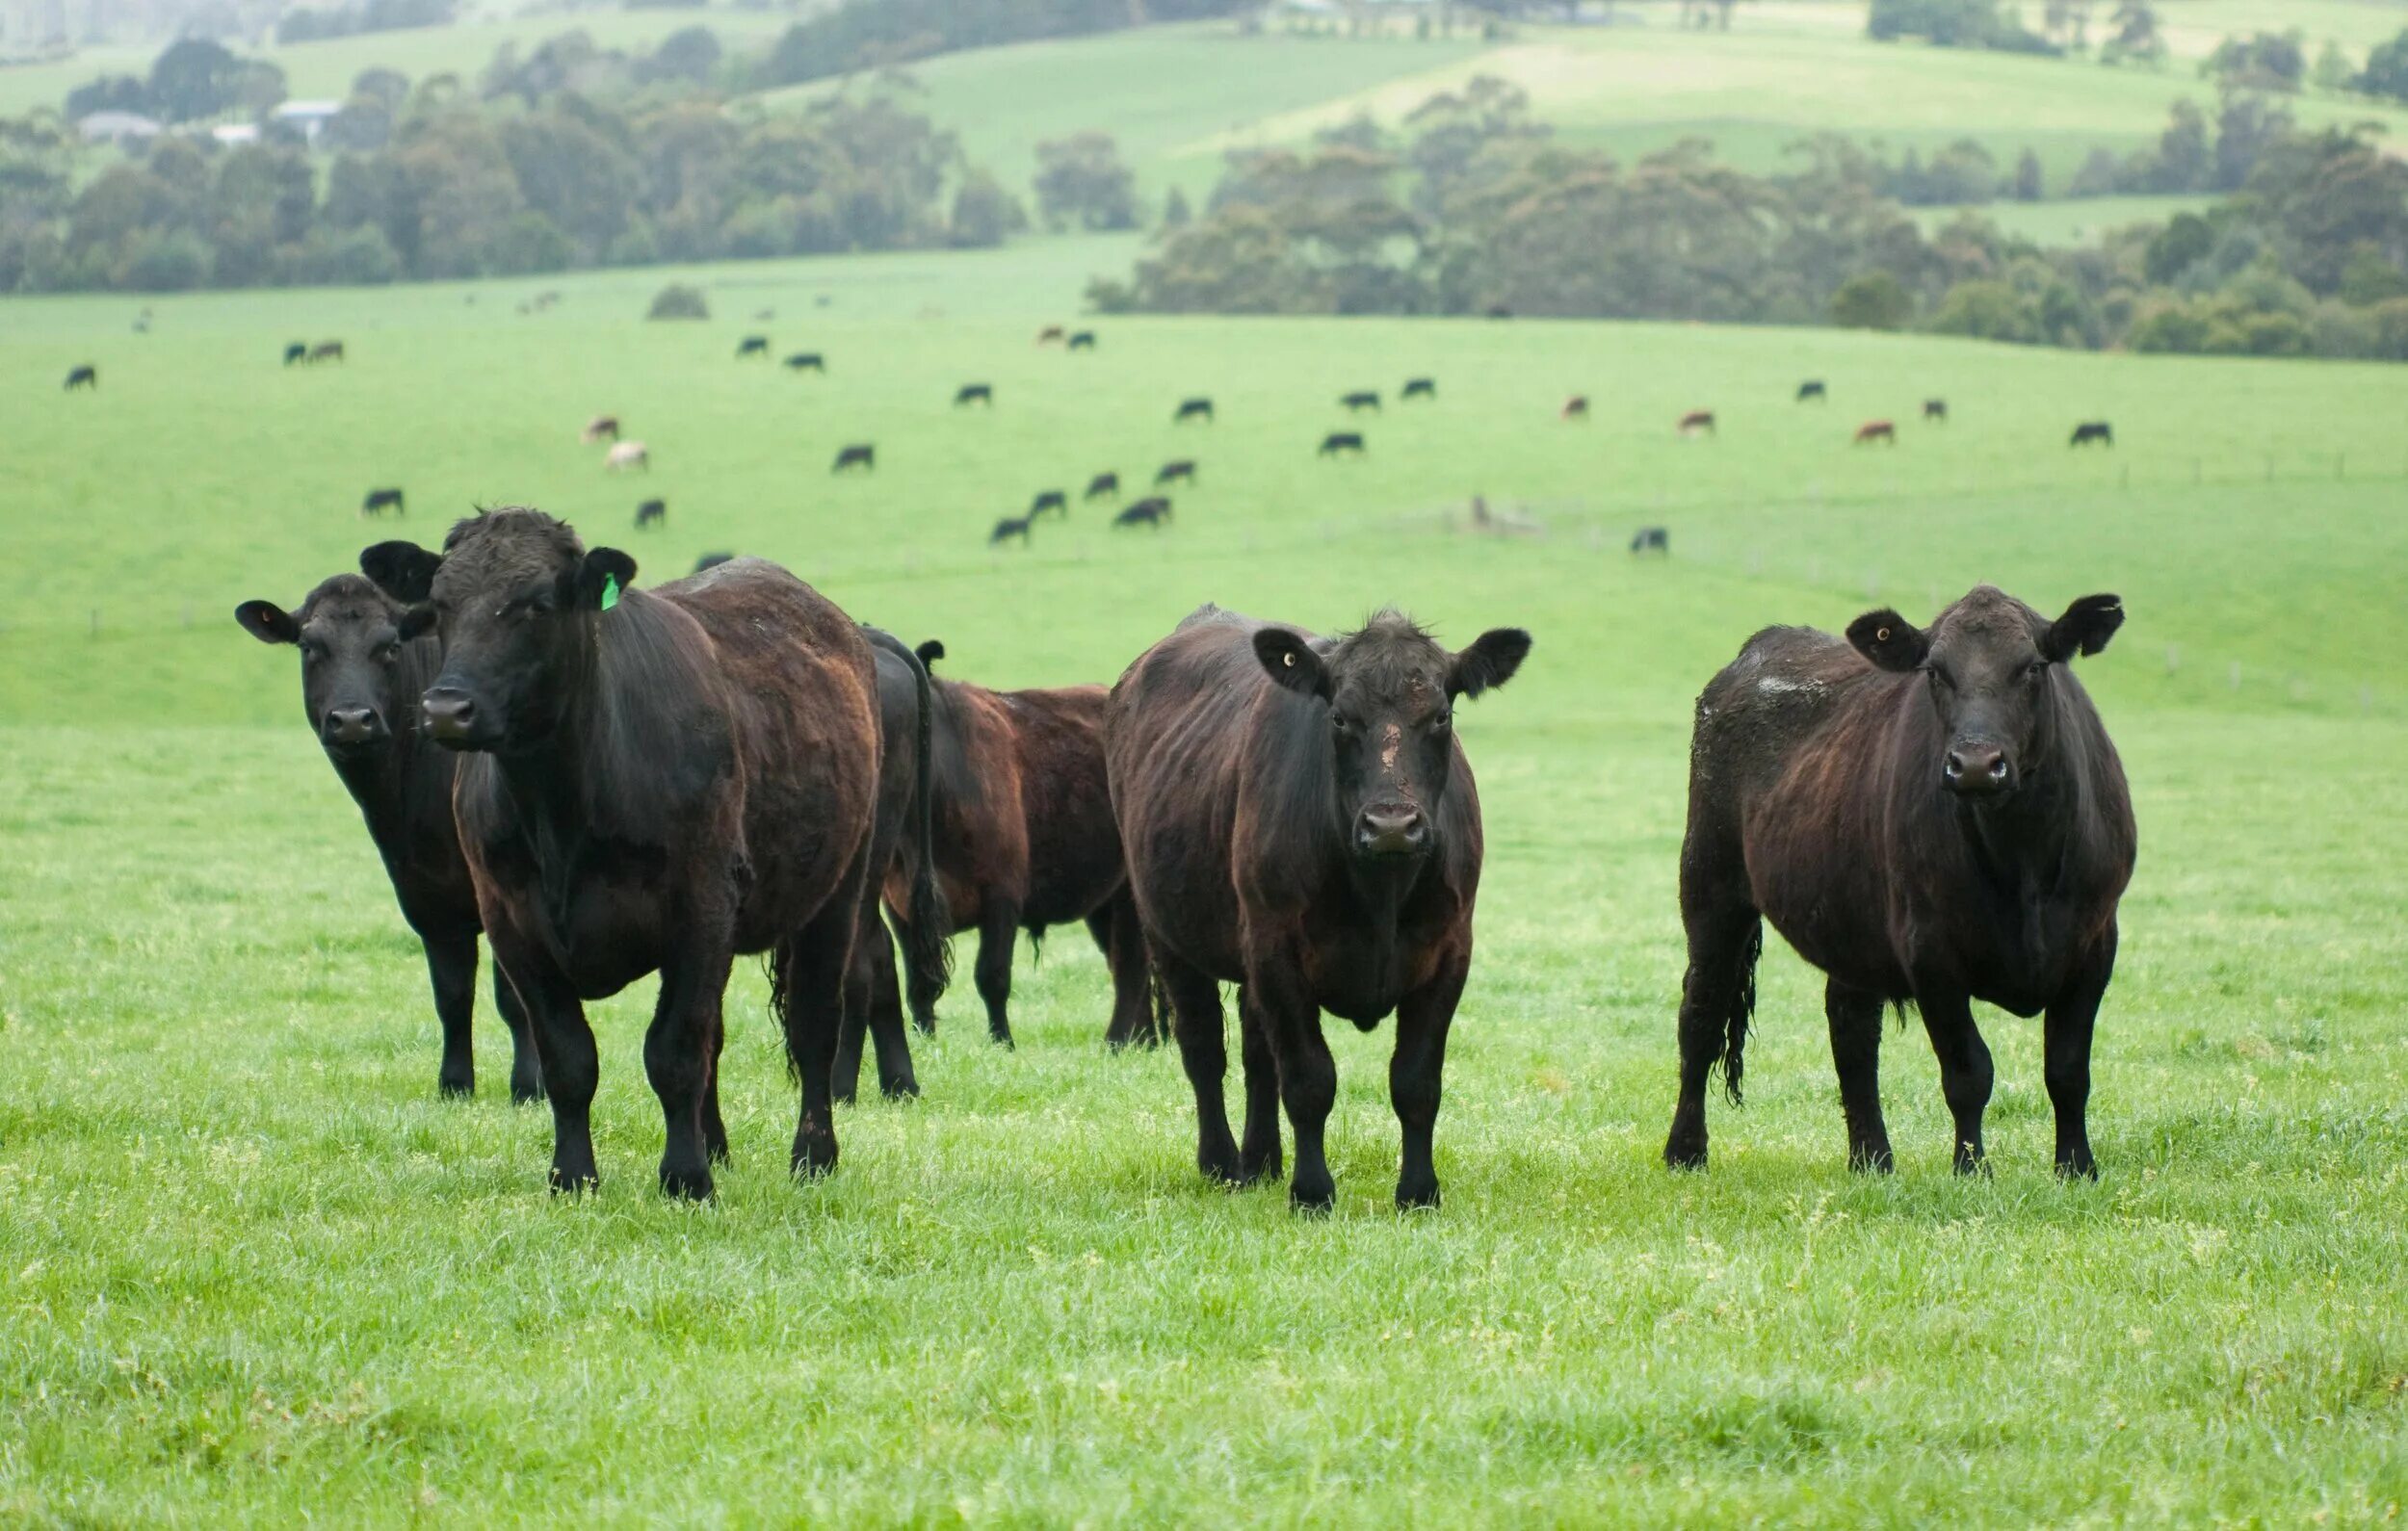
(526, 1066)
(1717, 999)
(452, 970)
(807, 986)
(896, 1079)
(1119, 936)
(1964, 1072)
(1258, 1153)
(1855, 1017)
(1197, 1021)
(999, 925)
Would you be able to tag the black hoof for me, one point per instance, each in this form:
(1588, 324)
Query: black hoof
(1417, 1198)
(1874, 1160)
(1314, 1195)
(1681, 1156)
(573, 1183)
(2080, 1167)
(900, 1090)
(813, 1158)
(685, 1186)
(457, 1088)
(527, 1093)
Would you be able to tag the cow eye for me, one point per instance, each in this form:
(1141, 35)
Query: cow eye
(2035, 669)
(312, 650)
(389, 650)
(1441, 723)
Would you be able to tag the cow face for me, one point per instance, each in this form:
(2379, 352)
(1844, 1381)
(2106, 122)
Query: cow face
(354, 640)
(515, 597)
(1991, 668)
(1390, 692)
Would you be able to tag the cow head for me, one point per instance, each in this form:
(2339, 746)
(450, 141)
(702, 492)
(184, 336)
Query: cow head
(1390, 691)
(1991, 668)
(354, 640)
(516, 597)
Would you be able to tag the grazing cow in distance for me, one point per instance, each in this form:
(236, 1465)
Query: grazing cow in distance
(712, 560)
(1652, 540)
(327, 350)
(1929, 817)
(807, 361)
(360, 682)
(975, 393)
(1697, 419)
(654, 780)
(1022, 825)
(1053, 500)
(1174, 471)
(1813, 389)
(1102, 485)
(1011, 527)
(1151, 511)
(1419, 388)
(1872, 430)
(1338, 441)
(1299, 821)
(1081, 339)
(860, 454)
(87, 375)
(1500, 311)
(652, 512)
(2098, 430)
(1050, 335)
(1360, 399)
(601, 427)
(1199, 408)
(627, 455)
(297, 350)
(753, 346)
(379, 500)
(1936, 409)
(1575, 408)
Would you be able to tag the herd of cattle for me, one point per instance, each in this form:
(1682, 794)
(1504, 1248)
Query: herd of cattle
(609, 782)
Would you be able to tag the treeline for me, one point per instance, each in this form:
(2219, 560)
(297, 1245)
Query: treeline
(192, 81)
(458, 186)
(872, 33)
(1478, 210)
(375, 16)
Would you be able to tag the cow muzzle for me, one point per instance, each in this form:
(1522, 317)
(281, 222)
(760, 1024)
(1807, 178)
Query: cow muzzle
(1391, 829)
(451, 718)
(1974, 770)
(353, 728)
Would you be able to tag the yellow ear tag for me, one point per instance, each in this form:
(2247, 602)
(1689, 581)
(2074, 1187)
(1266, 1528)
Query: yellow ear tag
(1289, 659)
(1882, 637)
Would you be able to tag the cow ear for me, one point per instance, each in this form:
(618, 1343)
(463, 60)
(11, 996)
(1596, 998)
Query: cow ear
(930, 653)
(401, 570)
(416, 622)
(268, 622)
(1889, 640)
(2084, 629)
(1292, 662)
(1490, 662)
(605, 573)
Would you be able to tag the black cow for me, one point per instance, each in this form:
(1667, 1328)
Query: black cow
(657, 780)
(83, 376)
(1011, 527)
(1813, 389)
(1053, 500)
(807, 361)
(1652, 540)
(2098, 430)
(1575, 408)
(1936, 409)
(860, 454)
(1175, 472)
(1081, 339)
(327, 350)
(1338, 441)
(1192, 410)
(650, 513)
(1151, 511)
(1102, 485)
(1360, 399)
(712, 560)
(377, 499)
(1299, 821)
(975, 393)
(360, 680)
(1419, 388)
(297, 350)
(753, 346)
(1934, 818)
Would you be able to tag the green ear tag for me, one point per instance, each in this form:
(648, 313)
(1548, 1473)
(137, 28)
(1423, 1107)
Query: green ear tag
(610, 591)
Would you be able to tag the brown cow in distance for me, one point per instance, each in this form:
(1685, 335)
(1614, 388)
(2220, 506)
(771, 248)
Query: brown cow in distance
(1300, 821)
(654, 780)
(1872, 430)
(1930, 817)
(1024, 840)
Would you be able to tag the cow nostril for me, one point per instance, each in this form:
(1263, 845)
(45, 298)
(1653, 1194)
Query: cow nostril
(1956, 764)
(1997, 769)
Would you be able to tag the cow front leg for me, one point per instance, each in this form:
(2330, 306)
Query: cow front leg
(999, 925)
(2066, 1032)
(1258, 1155)
(564, 1045)
(1964, 1072)
(1423, 1018)
(1308, 1078)
(452, 972)
(680, 1049)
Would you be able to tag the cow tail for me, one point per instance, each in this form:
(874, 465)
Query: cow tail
(778, 965)
(927, 935)
(1742, 1010)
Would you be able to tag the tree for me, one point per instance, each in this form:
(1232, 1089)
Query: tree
(984, 214)
(1176, 214)
(2387, 69)
(2029, 185)
(2132, 34)
(2181, 243)
(691, 54)
(388, 88)
(678, 301)
(2245, 125)
(1988, 310)
(2333, 71)
(1872, 300)
(1081, 179)
(2265, 60)
(111, 92)
(196, 79)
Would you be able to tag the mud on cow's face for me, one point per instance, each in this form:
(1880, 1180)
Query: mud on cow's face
(1390, 692)
(352, 638)
(1990, 665)
(514, 595)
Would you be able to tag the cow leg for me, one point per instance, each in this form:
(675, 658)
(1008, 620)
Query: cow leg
(1197, 1021)
(810, 987)
(2067, 1030)
(1965, 1074)
(452, 969)
(713, 1125)
(564, 1047)
(861, 984)
(1122, 940)
(999, 925)
(1718, 996)
(1422, 1020)
(1855, 1017)
(895, 1079)
(1308, 1078)
(680, 1049)
(1258, 1153)
(526, 1068)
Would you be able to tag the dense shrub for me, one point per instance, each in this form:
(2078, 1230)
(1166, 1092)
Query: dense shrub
(679, 301)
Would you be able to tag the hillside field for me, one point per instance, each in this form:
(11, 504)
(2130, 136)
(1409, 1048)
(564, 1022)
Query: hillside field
(253, 1268)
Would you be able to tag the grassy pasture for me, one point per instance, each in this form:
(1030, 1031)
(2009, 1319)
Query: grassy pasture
(251, 1268)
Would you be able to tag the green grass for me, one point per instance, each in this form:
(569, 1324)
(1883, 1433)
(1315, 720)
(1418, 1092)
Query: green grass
(253, 1269)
